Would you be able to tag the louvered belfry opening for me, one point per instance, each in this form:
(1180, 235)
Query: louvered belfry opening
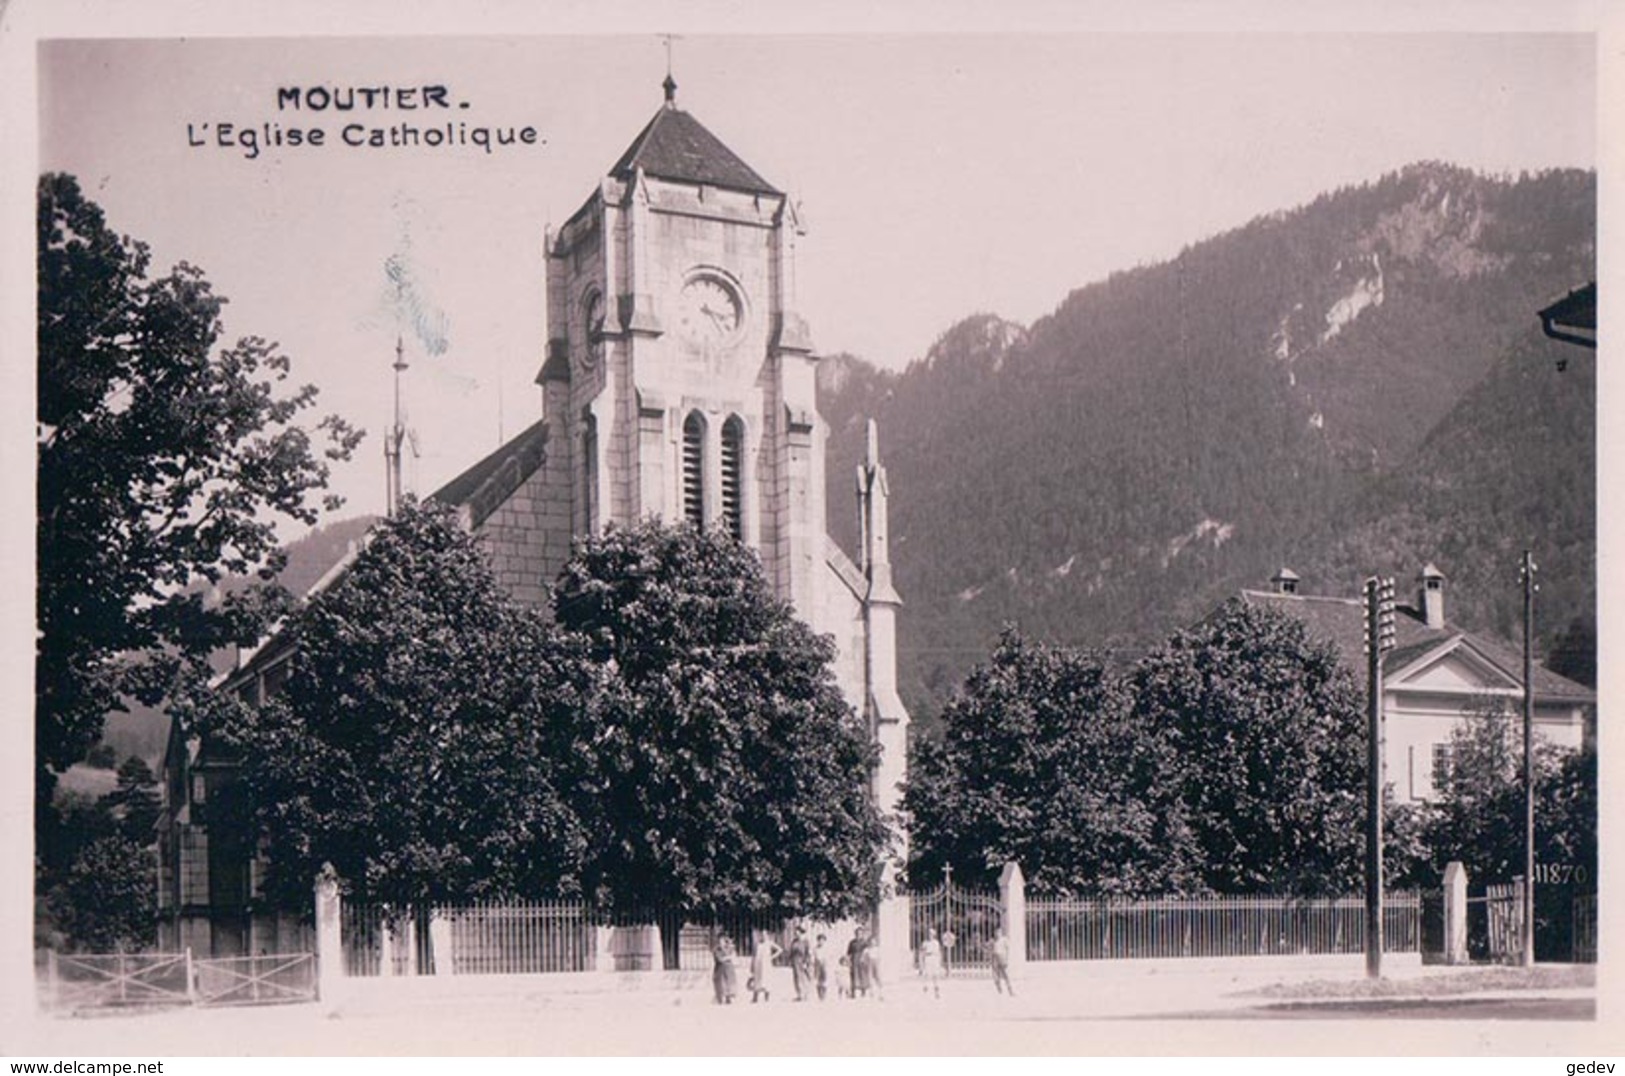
(694, 469)
(733, 451)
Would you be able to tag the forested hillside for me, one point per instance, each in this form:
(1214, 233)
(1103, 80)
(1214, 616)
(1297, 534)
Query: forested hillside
(1354, 386)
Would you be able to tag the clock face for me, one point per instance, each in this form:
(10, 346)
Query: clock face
(709, 311)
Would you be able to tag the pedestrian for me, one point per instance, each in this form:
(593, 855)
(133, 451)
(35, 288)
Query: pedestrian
(948, 939)
(998, 952)
(929, 959)
(871, 958)
(761, 959)
(724, 979)
(801, 970)
(821, 967)
(857, 961)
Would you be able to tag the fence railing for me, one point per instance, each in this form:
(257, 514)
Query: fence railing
(537, 937)
(82, 982)
(1585, 928)
(1503, 907)
(1213, 926)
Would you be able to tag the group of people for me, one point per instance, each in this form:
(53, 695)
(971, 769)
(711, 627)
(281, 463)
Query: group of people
(811, 974)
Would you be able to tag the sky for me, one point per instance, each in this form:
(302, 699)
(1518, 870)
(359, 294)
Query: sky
(939, 175)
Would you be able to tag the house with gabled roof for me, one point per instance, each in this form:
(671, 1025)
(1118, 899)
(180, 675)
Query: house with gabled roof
(1436, 676)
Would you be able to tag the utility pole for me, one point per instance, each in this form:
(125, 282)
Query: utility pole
(1529, 588)
(1379, 638)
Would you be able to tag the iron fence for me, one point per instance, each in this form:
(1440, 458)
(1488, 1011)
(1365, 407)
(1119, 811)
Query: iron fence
(540, 937)
(1585, 929)
(1503, 909)
(966, 922)
(1214, 927)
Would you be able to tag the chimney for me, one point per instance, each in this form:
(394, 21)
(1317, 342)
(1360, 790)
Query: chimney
(1286, 581)
(1431, 597)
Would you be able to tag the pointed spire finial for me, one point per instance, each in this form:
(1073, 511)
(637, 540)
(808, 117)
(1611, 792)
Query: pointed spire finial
(670, 85)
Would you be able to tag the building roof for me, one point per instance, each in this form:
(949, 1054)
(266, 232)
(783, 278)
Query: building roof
(488, 483)
(1576, 310)
(1573, 318)
(674, 145)
(1341, 621)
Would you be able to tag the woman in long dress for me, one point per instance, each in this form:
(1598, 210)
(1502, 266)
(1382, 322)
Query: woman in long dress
(724, 980)
(801, 969)
(761, 959)
(857, 962)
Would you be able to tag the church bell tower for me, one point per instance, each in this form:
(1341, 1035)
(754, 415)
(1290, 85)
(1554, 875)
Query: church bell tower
(679, 380)
(680, 383)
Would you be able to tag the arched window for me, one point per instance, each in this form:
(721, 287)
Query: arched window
(733, 452)
(589, 465)
(694, 469)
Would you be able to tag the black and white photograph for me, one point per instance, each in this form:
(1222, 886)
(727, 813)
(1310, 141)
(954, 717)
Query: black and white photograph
(734, 533)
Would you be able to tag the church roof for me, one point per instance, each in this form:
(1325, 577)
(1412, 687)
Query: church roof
(674, 145)
(489, 482)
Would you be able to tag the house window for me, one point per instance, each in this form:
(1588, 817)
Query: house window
(694, 469)
(733, 451)
(1444, 763)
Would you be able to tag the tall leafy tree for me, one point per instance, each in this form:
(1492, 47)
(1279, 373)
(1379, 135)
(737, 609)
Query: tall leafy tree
(418, 746)
(1477, 818)
(1041, 763)
(163, 461)
(1477, 815)
(720, 769)
(1269, 730)
(107, 898)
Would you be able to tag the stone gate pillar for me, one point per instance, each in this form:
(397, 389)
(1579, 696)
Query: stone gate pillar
(1455, 913)
(329, 937)
(1013, 904)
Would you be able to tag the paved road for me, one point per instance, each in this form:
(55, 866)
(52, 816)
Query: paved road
(1117, 1008)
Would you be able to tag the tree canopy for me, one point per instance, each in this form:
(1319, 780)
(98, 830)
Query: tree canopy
(420, 745)
(1228, 759)
(163, 463)
(1268, 731)
(725, 769)
(673, 742)
(1040, 763)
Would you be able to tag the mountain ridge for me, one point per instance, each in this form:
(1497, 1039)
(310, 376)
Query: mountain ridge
(1178, 430)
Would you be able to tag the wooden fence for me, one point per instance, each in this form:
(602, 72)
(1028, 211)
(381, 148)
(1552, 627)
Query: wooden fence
(82, 982)
(1213, 927)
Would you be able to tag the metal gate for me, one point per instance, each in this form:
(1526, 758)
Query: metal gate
(967, 919)
(256, 980)
(80, 981)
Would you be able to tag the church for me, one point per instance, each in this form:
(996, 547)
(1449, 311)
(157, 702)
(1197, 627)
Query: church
(678, 383)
